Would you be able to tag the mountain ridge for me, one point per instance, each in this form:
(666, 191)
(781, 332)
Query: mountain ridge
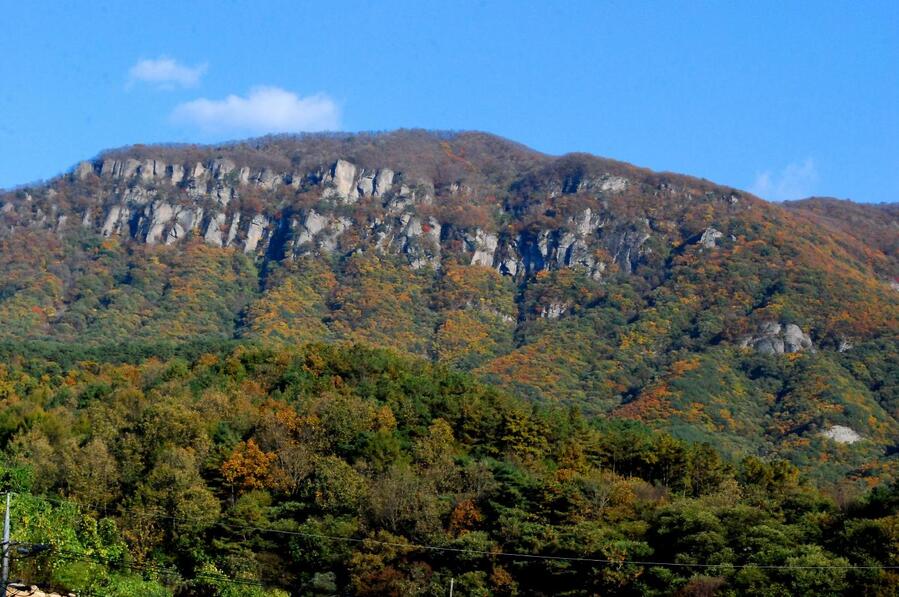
(692, 306)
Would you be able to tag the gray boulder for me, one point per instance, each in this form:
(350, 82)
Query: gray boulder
(795, 340)
(709, 238)
(773, 338)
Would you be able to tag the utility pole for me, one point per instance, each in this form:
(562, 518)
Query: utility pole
(451, 586)
(5, 579)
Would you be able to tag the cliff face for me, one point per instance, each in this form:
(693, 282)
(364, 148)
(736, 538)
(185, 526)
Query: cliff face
(154, 202)
(543, 220)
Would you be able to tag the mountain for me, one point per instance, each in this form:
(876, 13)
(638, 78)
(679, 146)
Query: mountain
(689, 306)
(872, 227)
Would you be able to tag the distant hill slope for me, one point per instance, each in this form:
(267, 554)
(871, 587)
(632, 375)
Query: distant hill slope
(654, 296)
(874, 226)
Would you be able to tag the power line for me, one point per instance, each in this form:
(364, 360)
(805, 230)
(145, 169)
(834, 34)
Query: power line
(490, 553)
(485, 552)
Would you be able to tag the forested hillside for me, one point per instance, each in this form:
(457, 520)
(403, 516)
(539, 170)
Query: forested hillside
(326, 470)
(578, 280)
(364, 364)
(873, 227)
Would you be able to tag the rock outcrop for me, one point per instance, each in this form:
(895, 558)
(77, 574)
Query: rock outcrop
(553, 311)
(842, 435)
(709, 238)
(482, 246)
(226, 204)
(283, 208)
(774, 338)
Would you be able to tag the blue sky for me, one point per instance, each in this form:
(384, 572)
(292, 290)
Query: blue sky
(785, 98)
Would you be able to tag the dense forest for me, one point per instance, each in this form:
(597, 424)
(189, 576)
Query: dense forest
(369, 364)
(348, 470)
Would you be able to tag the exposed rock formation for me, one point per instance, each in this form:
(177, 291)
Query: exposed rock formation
(155, 202)
(842, 435)
(553, 311)
(286, 208)
(215, 229)
(383, 182)
(773, 338)
(483, 247)
(709, 238)
(258, 227)
(342, 176)
(606, 183)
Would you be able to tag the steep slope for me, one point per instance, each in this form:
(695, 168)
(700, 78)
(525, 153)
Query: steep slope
(659, 297)
(872, 226)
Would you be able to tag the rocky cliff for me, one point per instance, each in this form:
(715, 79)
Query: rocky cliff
(544, 220)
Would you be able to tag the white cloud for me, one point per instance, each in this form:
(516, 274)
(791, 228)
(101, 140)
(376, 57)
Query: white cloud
(264, 110)
(165, 73)
(794, 181)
